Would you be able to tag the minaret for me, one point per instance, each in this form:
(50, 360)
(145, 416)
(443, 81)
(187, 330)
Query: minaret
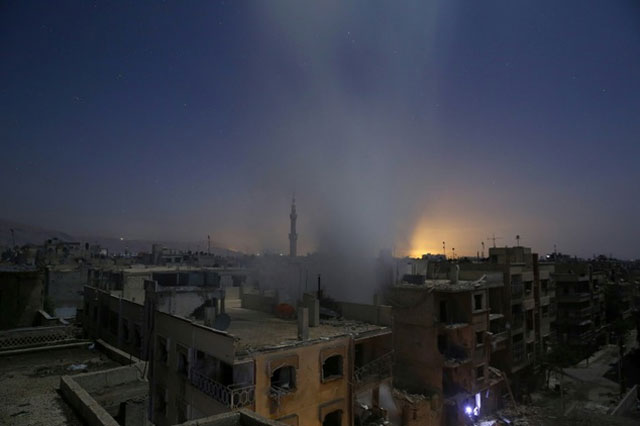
(293, 236)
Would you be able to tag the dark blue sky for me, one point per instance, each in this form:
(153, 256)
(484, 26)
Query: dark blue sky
(396, 125)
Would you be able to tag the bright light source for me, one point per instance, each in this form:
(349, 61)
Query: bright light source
(468, 409)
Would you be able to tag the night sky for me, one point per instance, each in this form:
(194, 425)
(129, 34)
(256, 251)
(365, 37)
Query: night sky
(396, 124)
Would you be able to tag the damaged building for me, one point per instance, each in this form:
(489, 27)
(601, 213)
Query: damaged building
(443, 348)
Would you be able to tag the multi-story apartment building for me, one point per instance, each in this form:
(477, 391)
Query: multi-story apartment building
(443, 345)
(223, 357)
(522, 310)
(581, 304)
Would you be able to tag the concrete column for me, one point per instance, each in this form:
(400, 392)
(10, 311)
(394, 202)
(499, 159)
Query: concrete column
(222, 309)
(303, 323)
(310, 302)
(209, 315)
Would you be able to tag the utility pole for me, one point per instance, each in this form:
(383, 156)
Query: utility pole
(209, 245)
(444, 250)
(482, 242)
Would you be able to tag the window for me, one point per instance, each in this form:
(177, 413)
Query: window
(125, 330)
(160, 402)
(334, 418)
(162, 350)
(183, 360)
(442, 343)
(137, 337)
(443, 311)
(332, 368)
(479, 337)
(477, 302)
(480, 372)
(283, 379)
(113, 322)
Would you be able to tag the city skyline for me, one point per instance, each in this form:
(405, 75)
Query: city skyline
(396, 127)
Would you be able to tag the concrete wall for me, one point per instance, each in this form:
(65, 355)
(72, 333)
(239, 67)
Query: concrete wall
(236, 418)
(310, 394)
(21, 297)
(165, 377)
(79, 392)
(417, 412)
(101, 310)
(258, 300)
(628, 403)
(89, 410)
(133, 287)
(381, 315)
(182, 301)
(99, 380)
(65, 289)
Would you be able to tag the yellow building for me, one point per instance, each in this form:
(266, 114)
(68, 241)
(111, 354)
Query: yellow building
(303, 372)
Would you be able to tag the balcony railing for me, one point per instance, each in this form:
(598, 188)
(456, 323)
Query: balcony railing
(232, 396)
(36, 336)
(500, 336)
(378, 369)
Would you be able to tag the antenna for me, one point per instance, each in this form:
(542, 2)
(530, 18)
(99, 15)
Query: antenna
(517, 240)
(494, 238)
(482, 242)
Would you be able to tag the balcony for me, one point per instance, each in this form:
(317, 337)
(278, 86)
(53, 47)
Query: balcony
(376, 370)
(232, 396)
(455, 355)
(517, 353)
(479, 355)
(517, 291)
(529, 335)
(499, 340)
(517, 321)
(528, 303)
(573, 297)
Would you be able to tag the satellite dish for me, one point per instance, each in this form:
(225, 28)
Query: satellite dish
(222, 322)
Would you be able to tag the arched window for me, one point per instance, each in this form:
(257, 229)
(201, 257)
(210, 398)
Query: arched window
(332, 367)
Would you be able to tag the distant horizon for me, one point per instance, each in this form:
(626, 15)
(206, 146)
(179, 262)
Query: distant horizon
(203, 246)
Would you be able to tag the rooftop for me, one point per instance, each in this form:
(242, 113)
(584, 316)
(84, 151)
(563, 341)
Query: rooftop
(261, 331)
(29, 383)
(459, 286)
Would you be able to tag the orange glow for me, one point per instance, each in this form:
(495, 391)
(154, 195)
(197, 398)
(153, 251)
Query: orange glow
(431, 230)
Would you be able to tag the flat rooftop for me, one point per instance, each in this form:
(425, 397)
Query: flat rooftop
(29, 383)
(451, 287)
(261, 331)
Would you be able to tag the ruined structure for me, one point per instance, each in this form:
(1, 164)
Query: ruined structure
(443, 347)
